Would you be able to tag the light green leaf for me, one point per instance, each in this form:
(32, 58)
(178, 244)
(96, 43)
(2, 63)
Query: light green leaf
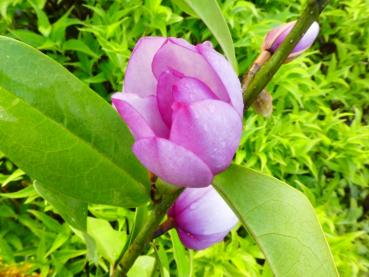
(282, 221)
(143, 267)
(209, 12)
(79, 45)
(185, 7)
(181, 256)
(15, 176)
(63, 134)
(109, 242)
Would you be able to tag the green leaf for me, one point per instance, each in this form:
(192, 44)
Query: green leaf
(73, 211)
(15, 176)
(109, 242)
(209, 12)
(62, 133)
(143, 267)
(281, 220)
(80, 46)
(183, 261)
(185, 7)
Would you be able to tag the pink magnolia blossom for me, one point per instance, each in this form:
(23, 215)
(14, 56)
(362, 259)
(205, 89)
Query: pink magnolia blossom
(201, 217)
(183, 105)
(276, 36)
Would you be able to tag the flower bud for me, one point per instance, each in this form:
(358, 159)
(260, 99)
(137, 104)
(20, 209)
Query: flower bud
(276, 36)
(201, 217)
(183, 105)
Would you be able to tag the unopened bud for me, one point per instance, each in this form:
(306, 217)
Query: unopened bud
(276, 36)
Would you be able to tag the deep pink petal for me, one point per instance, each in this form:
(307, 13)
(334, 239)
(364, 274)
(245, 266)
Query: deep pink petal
(139, 78)
(173, 55)
(199, 242)
(226, 74)
(189, 90)
(165, 94)
(211, 129)
(141, 114)
(204, 213)
(172, 163)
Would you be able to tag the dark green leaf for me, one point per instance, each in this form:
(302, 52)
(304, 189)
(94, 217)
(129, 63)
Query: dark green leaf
(62, 133)
(282, 221)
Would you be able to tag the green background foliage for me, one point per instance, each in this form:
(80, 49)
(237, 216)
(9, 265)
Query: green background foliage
(317, 139)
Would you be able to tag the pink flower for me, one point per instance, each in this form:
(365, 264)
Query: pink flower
(183, 105)
(201, 217)
(276, 36)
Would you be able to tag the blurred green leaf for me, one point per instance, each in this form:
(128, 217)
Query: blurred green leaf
(185, 7)
(109, 242)
(210, 13)
(15, 176)
(183, 261)
(80, 46)
(67, 137)
(281, 220)
(143, 267)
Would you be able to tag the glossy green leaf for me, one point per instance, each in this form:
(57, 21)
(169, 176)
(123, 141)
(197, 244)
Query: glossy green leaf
(282, 221)
(63, 134)
(209, 12)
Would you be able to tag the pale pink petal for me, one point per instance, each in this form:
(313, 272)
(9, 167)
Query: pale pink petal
(189, 90)
(165, 94)
(139, 78)
(206, 213)
(226, 74)
(172, 163)
(211, 129)
(186, 198)
(141, 114)
(173, 55)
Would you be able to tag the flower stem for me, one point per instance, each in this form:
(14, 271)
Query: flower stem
(167, 195)
(266, 72)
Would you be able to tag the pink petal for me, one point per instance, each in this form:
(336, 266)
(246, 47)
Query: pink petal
(205, 214)
(226, 74)
(141, 115)
(139, 78)
(211, 129)
(173, 55)
(306, 41)
(173, 163)
(199, 242)
(186, 198)
(272, 36)
(165, 94)
(189, 90)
